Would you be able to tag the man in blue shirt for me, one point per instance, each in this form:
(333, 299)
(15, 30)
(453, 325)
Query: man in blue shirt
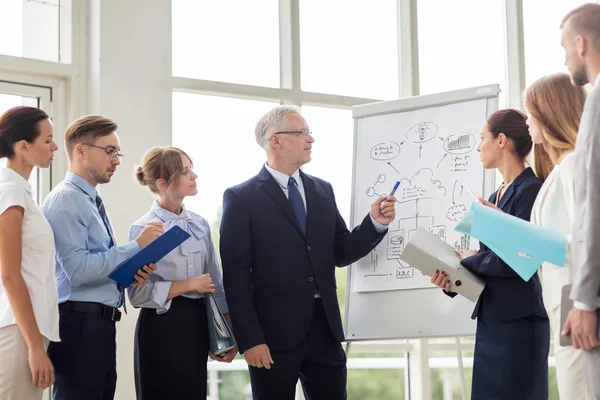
(86, 253)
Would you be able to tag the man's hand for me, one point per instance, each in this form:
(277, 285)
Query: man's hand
(259, 356)
(227, 357)
(383, 210)
(583, 327)
(151, 231)
(143, 275)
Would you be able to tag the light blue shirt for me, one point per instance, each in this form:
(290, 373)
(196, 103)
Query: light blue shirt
(194, 257)
(83, 257)
(283, 180)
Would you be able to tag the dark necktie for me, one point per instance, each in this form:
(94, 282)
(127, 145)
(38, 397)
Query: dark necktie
(297, 203)
(104, 217)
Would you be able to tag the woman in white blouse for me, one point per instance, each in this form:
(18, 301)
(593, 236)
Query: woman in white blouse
(171, 339)
(28, 294)
(555, 106)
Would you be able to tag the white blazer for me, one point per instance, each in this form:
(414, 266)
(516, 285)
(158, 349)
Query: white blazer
(554, 209)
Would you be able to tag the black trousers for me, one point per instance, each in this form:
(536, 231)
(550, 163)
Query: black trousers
(171, 352)
(85, 358)
(319, 362)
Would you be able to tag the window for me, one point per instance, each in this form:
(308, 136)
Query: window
(349, 47)
(543, 52)
(460, 46)
(227, 40)
(218, 134)
(333, 131)
(39, 29)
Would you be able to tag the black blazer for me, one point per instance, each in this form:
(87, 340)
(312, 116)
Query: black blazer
(271, 271)
(506, 295)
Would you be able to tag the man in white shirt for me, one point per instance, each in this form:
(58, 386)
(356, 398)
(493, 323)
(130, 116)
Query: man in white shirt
(581, 41)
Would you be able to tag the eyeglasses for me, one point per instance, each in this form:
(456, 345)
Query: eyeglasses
(304, 133)
(112, 153)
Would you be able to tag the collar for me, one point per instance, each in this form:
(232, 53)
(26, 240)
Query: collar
(166, 215)
(185, 221)
(281, 178)
(597, 81)
(82, 184)
(10, 175)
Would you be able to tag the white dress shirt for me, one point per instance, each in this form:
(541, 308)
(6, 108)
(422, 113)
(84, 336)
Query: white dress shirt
(38, 256)
(283, 180)
(554, 209)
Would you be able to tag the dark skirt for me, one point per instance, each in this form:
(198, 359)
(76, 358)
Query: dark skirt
(171, 351)
(511, 360)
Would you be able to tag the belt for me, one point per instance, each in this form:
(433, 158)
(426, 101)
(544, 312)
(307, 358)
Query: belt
(108, 313)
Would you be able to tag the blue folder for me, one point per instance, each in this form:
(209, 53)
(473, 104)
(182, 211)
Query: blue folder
(151, 254)
(522, 245)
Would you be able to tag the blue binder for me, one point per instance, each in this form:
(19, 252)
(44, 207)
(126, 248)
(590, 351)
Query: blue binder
(151, 254)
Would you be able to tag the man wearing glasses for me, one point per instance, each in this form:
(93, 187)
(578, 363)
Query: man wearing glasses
(86, 253)
(281, 238)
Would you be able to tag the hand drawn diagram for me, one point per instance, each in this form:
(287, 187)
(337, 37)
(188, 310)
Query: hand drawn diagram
(435, 160)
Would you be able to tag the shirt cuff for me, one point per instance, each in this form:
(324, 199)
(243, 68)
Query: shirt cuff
(379, 227)
(583, 307)
(131, 248)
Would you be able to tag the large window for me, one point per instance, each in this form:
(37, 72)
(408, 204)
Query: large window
(349, 47)
(227, 40)
(332, 151)
(543, 52)
(38, 29)
(218, 134)
(460, 46)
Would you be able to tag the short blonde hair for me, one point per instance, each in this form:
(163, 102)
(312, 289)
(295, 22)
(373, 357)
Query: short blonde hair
(160, 163)
(585, 21)
(557, 106)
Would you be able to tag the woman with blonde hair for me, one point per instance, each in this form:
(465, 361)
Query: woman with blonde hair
(171, 340)
(555, 107)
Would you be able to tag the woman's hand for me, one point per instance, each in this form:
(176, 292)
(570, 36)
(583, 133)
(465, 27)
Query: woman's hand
(440, 279)
(42, 370)
(489, 204)
(201, 284)
(465, 253)
(227, 357)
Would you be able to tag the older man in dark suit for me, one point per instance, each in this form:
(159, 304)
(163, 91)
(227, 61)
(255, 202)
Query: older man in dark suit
(281, 238)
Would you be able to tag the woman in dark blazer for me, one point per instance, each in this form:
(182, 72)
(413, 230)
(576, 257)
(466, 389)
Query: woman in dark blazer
(513, 332)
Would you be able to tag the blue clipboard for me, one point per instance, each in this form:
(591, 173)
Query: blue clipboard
(151, 254)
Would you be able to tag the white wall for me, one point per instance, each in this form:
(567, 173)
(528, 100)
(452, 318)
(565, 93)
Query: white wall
(129, 75)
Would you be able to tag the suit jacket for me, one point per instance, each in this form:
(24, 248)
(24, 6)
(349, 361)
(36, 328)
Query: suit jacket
(271, 271)
(553, 209)
(585, 245)
(506, 295)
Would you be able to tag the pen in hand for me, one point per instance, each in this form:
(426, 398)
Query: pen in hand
(394, 189)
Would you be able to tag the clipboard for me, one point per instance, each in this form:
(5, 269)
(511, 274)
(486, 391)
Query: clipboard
(428, 253)
(151, 254)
